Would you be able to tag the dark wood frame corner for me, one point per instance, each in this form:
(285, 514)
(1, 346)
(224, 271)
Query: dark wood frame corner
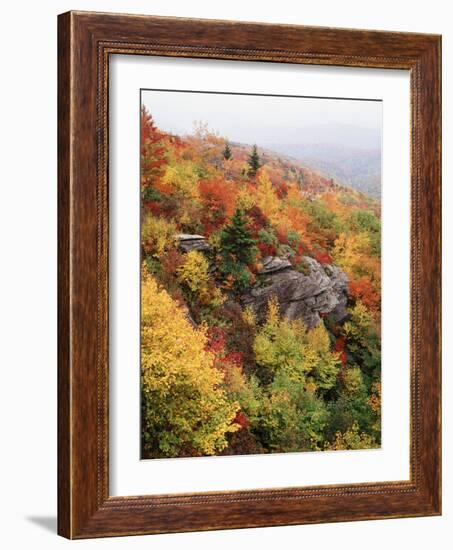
(85, 42)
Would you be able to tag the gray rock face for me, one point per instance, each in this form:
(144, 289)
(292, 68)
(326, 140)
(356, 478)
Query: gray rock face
(323, 289)
(272, 264)
(188, 242)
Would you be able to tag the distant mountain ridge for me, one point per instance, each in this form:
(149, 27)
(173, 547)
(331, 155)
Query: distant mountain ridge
(350, 166)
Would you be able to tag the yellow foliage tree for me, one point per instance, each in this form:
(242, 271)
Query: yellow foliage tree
(246, 198)
(185, 411)
(266, 196)
(360, 323)
(352, 439)
(353, 381)
(181, 180)
(158, 234)
(287, 346)
(194, 272)
(194, 275)
(352, 253)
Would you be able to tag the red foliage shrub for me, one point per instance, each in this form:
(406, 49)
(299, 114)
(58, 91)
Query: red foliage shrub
(281, 188)
(218, 197)
(216, 344)
(267, 249)
(322, 257)
(282, 236)
(257, 219)
(340, 345)
(234, 357)
(167, 207)
(171, 260)
(216, 340)
(362, 289)
(154, 207)
(241, 419)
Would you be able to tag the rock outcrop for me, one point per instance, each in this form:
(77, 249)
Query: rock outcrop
(321, 290)
(273, 264)
(188, 242)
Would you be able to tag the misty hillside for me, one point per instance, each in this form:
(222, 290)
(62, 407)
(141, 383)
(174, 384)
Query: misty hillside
(314, 178)
(352, 166)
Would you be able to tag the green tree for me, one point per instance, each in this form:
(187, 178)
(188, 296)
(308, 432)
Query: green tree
(291, 418)
(363, 220)
(364, 342)
(236, 239)
(284, 346)
(254, 161)
(237, 248)
(227, 154)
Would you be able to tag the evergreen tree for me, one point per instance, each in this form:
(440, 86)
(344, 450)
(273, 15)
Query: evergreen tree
(236, 240)
(254, 161)
(238, 251)
(227, 154)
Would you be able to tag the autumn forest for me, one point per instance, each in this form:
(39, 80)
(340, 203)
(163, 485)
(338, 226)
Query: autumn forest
(260, 301)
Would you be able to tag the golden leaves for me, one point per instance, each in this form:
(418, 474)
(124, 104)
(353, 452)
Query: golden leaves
(179, 381)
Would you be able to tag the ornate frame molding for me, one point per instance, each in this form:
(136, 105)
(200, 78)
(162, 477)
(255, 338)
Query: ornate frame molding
(86, 40)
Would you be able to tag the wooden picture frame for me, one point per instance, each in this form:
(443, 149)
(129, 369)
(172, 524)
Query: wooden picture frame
(85, 42)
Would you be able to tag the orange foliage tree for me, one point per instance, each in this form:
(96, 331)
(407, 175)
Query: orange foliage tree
(153, 151)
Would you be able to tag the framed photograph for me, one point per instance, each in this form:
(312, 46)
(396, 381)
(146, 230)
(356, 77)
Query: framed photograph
(249, 275)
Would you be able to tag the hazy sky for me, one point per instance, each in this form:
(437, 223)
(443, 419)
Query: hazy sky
(266, 120)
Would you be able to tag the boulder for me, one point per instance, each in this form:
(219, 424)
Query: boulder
(320, 290)
(187, 243)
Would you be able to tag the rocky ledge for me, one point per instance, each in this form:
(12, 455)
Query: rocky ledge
(188, 242)
(321, 290)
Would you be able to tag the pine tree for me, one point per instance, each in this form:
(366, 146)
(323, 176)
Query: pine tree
(254, 161)
(238, 251)
(236, 240)
(227, 154)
